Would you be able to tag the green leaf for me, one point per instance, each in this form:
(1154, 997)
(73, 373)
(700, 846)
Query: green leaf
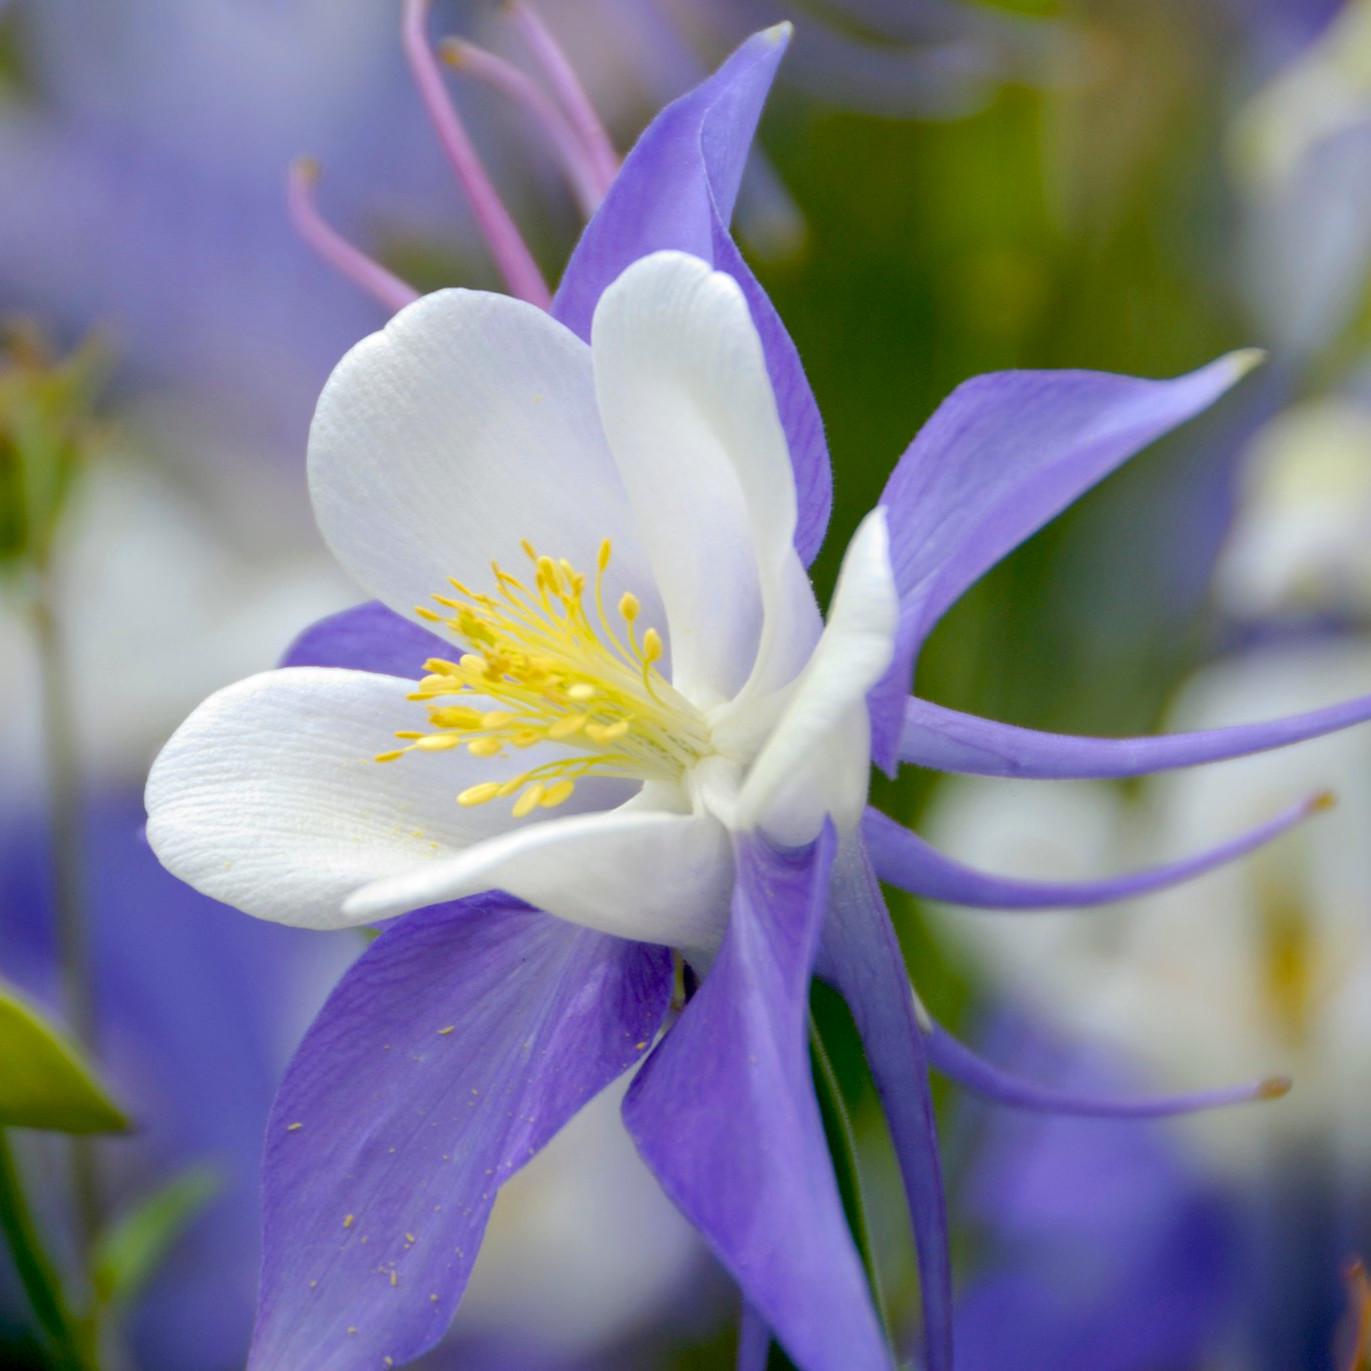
(126, 1256)
(44, 1081)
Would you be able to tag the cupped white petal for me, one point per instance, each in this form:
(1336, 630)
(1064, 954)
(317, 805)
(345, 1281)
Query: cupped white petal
(691, 418)
(269, 798)
(466, 425)
(817, 758)
(639, 873)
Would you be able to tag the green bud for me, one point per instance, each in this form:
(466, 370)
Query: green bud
(46, 431)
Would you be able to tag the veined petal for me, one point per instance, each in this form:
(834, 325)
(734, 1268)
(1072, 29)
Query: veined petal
(903, 859)
(466, 425)
(448, 1055)
(724, 1113)
(634, 872)
(269, 796)
(1001, 456)
(691, 419)
(949, 740)
(676, 189)
(367, 637)
(861, 956)
(816, 759)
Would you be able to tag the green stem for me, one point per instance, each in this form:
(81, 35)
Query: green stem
(842, 1144)
(68, 885)
(41, 1283)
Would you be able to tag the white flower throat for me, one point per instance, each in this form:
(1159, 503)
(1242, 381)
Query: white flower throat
(541, 667)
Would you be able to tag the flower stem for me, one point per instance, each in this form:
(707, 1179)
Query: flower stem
(68, 885)
(36, 1271)
(842, 1144)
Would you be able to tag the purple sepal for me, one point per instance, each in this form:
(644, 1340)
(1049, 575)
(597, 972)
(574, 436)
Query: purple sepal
(367, 637)
(1001, 456)
(954, 1059)
(677, 189)
(725, 1115)
(861, 956)
(903, 859)
(948, 740)
(447, 1056)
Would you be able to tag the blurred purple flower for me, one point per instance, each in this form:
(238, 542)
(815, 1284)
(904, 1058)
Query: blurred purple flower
(1103, 1246)
(150, 149)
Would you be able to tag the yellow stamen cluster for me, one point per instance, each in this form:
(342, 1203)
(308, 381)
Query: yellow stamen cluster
(541, 667)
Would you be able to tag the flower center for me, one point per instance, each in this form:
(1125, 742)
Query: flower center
(541, 667)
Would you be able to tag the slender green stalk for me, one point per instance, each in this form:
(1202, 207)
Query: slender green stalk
(842, 1144)
(68, 883)
(41, 1282)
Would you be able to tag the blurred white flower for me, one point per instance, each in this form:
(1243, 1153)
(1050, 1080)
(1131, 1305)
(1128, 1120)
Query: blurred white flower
(1302, 540)
(1258, 968)
(1302, 153)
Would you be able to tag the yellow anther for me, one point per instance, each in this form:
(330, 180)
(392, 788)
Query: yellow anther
(424, 612)
(389, 756)
(409, 734)
(438, 742)
(455, 716)
(542, 667)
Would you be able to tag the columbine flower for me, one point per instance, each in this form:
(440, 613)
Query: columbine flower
(623, 729)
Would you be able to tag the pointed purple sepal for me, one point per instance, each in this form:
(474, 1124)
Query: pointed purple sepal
(447, 1056)
(947, 740)
(1001, 456)
(368, 637)
(955, 1060)
(903, 859)
(724, 1113)
(677, 189)
(861, 956)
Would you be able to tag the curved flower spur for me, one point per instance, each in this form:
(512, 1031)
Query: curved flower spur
(596, 716)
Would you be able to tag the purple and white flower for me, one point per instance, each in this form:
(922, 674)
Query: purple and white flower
(625, 731)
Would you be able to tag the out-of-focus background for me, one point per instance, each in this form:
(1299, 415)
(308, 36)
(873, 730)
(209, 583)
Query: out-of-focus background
(942, 188)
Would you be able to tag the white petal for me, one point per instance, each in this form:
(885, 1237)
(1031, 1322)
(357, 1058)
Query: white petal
(269, 798)
(689, 412)
(817, 759)
(636, 873)
(467, 424)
